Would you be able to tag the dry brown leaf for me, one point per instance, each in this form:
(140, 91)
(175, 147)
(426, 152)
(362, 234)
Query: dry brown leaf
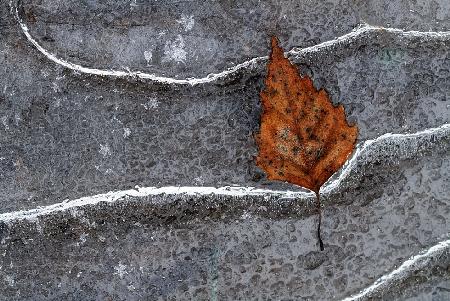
(303, 138)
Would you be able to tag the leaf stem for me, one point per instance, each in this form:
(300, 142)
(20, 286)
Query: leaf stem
(319, 210)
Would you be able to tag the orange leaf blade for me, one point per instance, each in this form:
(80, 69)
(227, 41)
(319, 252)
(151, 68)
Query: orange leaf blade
(303, 138)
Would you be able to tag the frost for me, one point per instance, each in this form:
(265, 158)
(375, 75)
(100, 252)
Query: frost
(5, 122)
(83, 237)
(105, 151)
(56, 88)
(120, 270)
(152, 103)
(148, 55)
(10, 280)
(126, 132)
(187, 22)
(174, 51)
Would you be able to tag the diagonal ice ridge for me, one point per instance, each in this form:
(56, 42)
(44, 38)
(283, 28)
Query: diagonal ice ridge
(405, 270)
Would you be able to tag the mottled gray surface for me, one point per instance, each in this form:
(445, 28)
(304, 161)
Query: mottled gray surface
(194, 38)
(434, 291)
(208, 248)
(68, 135)
(65, 134)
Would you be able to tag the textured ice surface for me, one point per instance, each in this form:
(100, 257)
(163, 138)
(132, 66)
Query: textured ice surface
(194, 38)
(202, 247)
(70, 134)
(64, 132)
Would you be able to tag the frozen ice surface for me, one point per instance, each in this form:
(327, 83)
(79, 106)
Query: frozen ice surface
(127, 152)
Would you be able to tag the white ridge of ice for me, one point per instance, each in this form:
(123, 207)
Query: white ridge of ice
(415, 263)
(397, 146)
(113, 196)
(401, 144)
(347, 38)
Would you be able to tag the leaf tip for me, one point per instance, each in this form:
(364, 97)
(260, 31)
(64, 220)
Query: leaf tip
(276, 48)
(274, 42)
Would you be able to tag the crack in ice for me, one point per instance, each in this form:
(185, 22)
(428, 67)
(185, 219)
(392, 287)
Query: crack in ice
(295, 52)
(363, 152)
(419, 261)
(406, 269)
